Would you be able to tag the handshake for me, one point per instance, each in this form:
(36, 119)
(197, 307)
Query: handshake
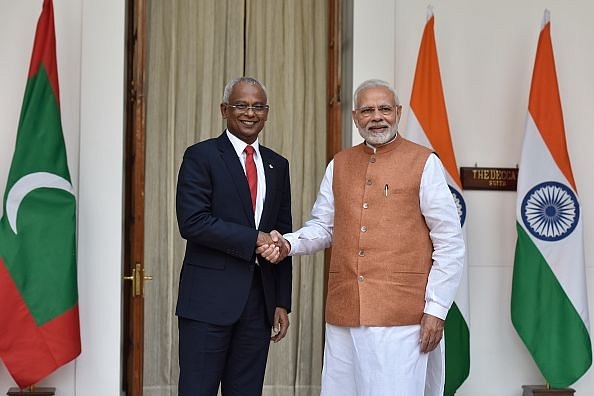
(272, 246)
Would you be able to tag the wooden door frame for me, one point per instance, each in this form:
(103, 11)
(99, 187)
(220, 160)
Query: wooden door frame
(135, 144)
(334, 99)
(334, 80)
(135, 148)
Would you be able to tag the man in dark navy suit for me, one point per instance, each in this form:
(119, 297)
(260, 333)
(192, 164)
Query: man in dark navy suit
(232, 303)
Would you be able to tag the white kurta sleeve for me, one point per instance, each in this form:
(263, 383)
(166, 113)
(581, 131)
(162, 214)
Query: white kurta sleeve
(316, 233)
(441, 216)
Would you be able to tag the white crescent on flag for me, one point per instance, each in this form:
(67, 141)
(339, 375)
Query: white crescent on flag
(25, 185)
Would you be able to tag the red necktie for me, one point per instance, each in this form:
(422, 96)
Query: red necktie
(251, 173)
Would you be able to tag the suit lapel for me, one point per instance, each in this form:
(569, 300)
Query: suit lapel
(235, 169)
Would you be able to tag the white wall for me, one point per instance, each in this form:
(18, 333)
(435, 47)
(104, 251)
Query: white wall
(486, 53)
(90, 50)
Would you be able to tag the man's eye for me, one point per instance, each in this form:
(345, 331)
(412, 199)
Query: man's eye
(240, 106)
(385, 109)
(260, 107)
(367, 110)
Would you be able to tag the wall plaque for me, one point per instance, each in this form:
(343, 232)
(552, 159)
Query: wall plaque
(478, 178)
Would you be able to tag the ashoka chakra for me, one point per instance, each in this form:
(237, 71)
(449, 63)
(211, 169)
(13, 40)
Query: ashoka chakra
(550, 211)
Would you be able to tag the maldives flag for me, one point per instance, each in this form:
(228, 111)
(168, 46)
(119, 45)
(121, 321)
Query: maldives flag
(428, 125)
(38, 292)
(549, 306)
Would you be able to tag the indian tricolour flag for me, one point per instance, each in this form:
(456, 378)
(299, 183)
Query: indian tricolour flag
(39, 324)
(549, 307)
(428, 125)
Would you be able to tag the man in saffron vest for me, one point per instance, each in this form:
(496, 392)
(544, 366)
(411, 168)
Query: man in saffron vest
(397, 255)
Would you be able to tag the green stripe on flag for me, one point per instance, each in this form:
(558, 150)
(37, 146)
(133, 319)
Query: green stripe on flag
(40, 143)
(545, 319)
(41, 256)
(44, 260)
(457, 352)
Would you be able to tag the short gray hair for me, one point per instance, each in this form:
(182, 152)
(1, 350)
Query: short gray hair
(374, 83)
(248, 80)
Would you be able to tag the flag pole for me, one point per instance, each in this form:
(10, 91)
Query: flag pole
(429, 11)
(546, 18)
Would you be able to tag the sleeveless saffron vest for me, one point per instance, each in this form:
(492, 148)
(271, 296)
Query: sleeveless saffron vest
(381, 250)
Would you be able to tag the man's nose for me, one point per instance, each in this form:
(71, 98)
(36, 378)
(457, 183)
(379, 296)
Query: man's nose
(377, 114)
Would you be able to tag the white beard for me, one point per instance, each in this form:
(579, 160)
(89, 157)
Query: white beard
(377, 139)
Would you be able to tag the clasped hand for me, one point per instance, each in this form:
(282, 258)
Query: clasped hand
(272, 246)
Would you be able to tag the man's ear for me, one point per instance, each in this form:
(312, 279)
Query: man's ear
(223, 108)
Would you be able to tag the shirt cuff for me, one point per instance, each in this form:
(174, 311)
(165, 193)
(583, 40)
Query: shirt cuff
(434, 309)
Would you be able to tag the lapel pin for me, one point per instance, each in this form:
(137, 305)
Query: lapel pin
(270, 166)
